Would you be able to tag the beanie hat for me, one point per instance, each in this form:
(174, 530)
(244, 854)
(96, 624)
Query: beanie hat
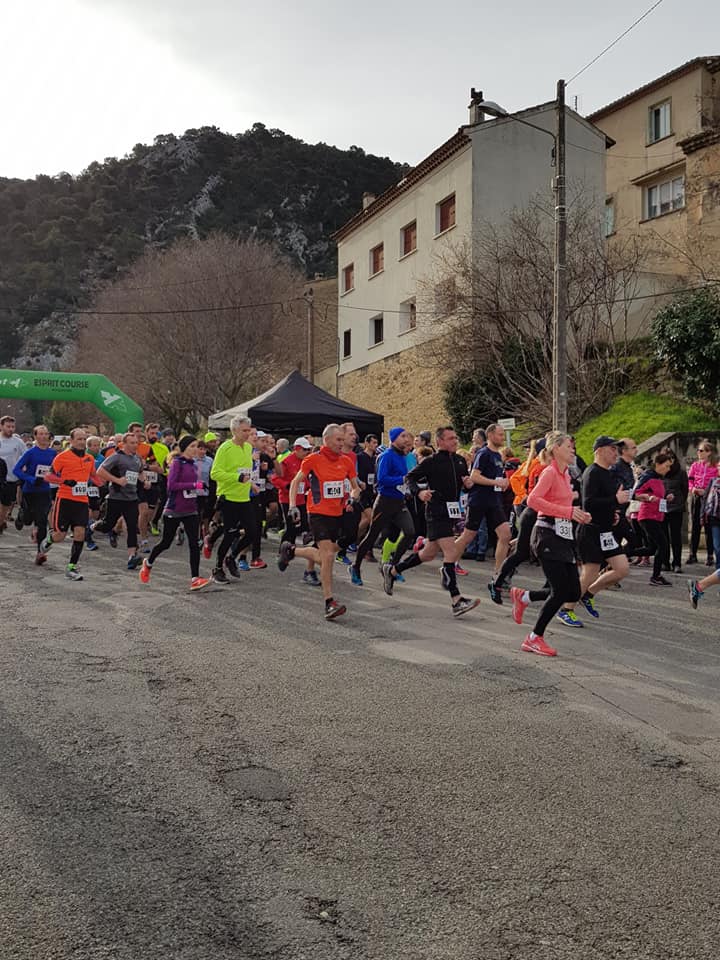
(185, 443)
(395, 433)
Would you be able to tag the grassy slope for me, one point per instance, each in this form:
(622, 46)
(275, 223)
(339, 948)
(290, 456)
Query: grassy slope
(640, 415)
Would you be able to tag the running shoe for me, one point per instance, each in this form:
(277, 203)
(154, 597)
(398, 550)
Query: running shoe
(710, 562)
(40, 558)
(355, 577)
(134, 562)
(145, 571)
(112, 537)
(154, 530)
(232, 567)
(91, 545)
(589, 604)
(258, 564)
(537, 645)
(370, 557)
(243, 565)
(207, 548)
(218, 576)
(19, 520)
(460, 571)
(677, 568)
(479, 558)
(399, 578)
(696, 594)
(287, 552)
(388, 578)
(334, 609)
(307, 538)
(519, 606)
(569, 618)
(352, 548)
(419, 544)
(660, 582)
(495, 593)
(197, 583)
(180, 538)
(72, 572)
(463, 605)
(691, 559)
(311, 578)
(343, 558)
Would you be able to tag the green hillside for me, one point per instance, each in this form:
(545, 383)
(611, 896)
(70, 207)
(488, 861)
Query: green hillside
(640, 415)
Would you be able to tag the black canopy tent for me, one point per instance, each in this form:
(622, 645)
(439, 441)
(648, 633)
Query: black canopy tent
(295, 406)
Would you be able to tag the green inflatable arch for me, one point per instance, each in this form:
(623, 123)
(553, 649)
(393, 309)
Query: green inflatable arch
(78, 387)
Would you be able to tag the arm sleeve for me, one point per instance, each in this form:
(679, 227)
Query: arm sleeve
(389, 470)
(21, 470)
(539, 498)
(221, 470)
(174, 482)
(417, 475)
(591, 495)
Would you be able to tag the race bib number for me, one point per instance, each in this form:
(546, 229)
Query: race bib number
(333, 489)
(608, 541)
(463, 502)
(132, 478)
(496, 488)
(662, 506)
(80, 490)
(244, 475)
(301, 487)
(147, 476)
(42, 470)
(93, 491)
(260, 484)
(454, 511)
(190, 494)
(563, 528)
(371, 480)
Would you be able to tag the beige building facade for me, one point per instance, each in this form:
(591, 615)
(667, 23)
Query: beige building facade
(663, 177)
(388, 303)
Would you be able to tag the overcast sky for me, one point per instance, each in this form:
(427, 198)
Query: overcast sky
(83, 80)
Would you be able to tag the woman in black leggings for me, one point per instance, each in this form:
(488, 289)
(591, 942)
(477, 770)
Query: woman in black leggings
(553, 541)
(183, 486)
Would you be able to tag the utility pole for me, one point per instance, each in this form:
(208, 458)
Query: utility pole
(310, 301)
(560, 273)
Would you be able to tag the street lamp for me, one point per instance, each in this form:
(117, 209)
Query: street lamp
(560, 250)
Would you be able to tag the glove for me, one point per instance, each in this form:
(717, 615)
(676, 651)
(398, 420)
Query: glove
(294, 515)
(69, 483)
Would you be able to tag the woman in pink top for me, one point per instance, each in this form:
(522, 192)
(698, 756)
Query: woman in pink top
(553, 541)
(699, 476)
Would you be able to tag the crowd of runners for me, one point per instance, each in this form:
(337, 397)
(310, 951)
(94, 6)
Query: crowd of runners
(335, 502)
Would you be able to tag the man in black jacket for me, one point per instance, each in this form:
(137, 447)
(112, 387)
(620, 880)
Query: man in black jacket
(439, 482)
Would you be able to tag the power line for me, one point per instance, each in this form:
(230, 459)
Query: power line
(616, 40)
(184, 310)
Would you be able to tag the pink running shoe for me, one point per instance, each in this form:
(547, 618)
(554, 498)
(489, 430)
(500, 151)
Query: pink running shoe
(518, 604)
(537, 645)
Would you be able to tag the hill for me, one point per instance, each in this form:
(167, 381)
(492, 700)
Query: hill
(63, 236)
(640, 415)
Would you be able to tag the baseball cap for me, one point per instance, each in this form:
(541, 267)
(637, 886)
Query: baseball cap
(604, 441)
(303, 442)
(425, 436)
(209, 436)
(261, 433)
(540, 445)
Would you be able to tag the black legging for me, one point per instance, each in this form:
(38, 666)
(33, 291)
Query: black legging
(389, 514)
(654, 530)
(236, 516)
(521, 554)
(564, 581)
(36, 509)
(696, 524)
(191, 522)
(291, 531)
(128, 510)
(673, 530)
(252, 538)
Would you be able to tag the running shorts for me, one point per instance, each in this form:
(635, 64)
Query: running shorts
(476, 514)
(323, 527)
(440, 528)
(8, 492)
(150, 496)
(67, 514)
(590, 548)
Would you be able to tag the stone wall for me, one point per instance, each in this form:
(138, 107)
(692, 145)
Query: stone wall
(403, 388)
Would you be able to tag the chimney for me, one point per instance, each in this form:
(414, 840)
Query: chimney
(476, 114)
(368, 198)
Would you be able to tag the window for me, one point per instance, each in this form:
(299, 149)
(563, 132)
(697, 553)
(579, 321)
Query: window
(347, 343)
(408, 316)
(445, 214)
(659, 122)
(445, 297)
(408, 239)
(348, 277)
(664, 197)
(377, 259)
(609, 217)
(376, 330)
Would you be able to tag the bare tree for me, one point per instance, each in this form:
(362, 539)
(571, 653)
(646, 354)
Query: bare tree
(491, 301)
(198, 327)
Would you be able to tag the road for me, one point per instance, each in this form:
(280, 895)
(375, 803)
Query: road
(225, 776)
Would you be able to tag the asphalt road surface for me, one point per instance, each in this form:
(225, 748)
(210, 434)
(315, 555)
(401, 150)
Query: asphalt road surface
(225, 776)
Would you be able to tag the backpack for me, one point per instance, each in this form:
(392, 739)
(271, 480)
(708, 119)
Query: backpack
(711, 507)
